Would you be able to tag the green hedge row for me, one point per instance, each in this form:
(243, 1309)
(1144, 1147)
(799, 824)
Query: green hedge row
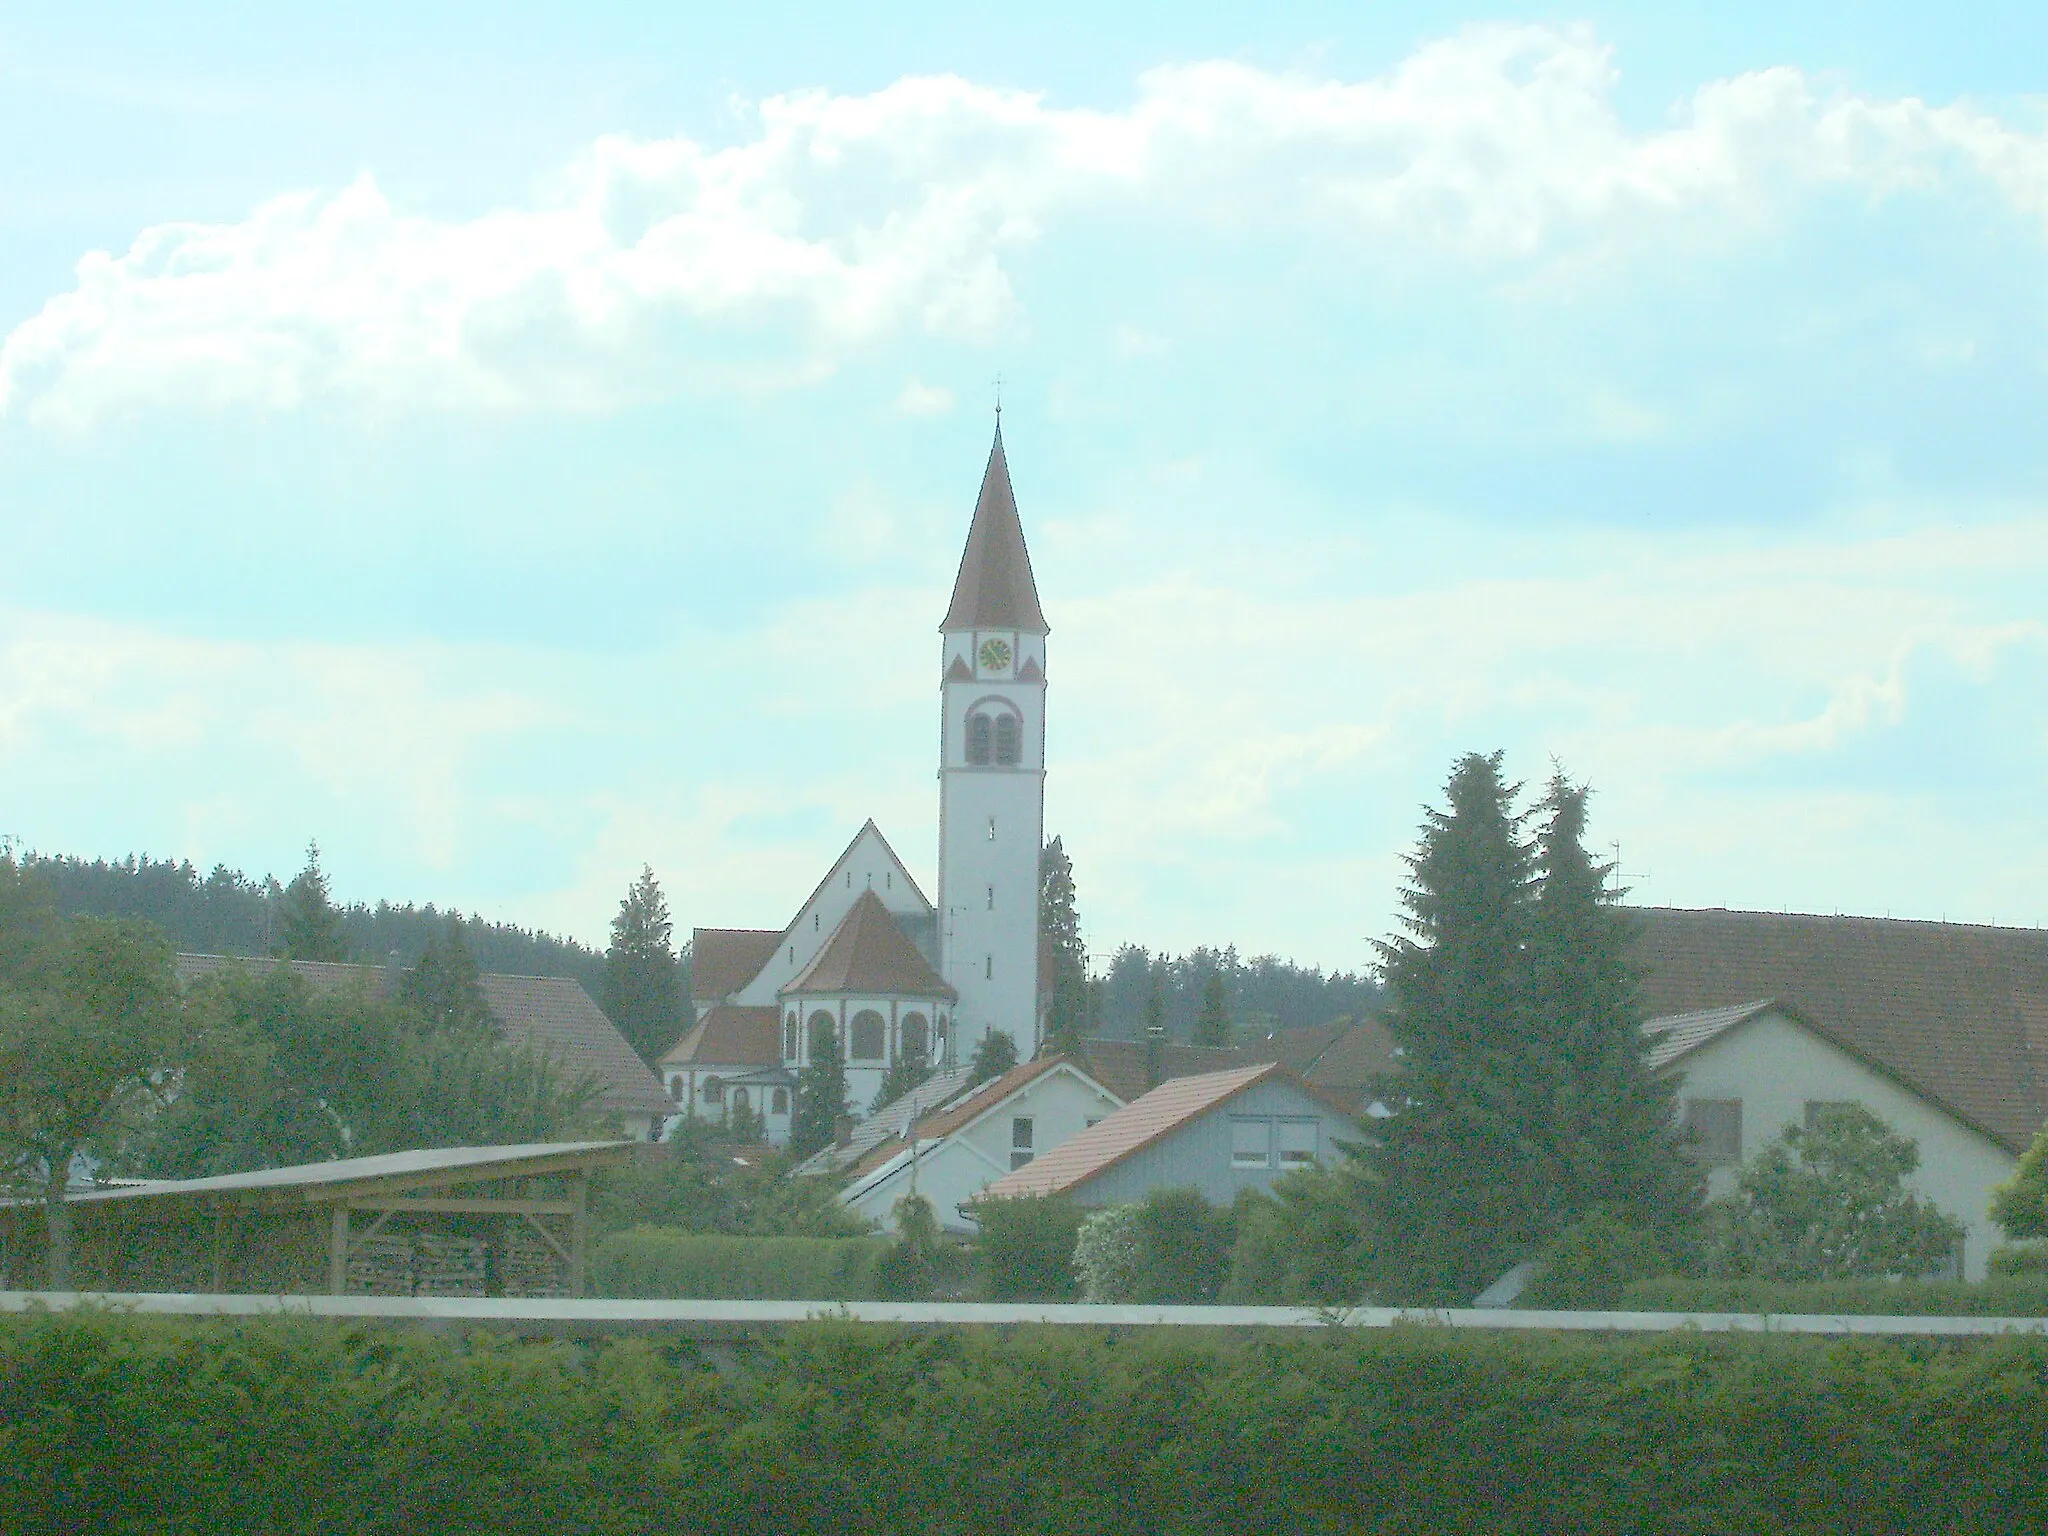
(662, 1263)
(1998, 1296)
(121, 1425)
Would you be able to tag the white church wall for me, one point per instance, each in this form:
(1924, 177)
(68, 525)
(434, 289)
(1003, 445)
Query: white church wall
(868, 865)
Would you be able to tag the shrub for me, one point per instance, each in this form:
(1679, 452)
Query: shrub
(1108, 1258)
(919, 1264)
(1306, 1244)
(2000, 1296)
(1027, 1248)
(657, 1263)
(2020, 1204)
(2019, 1259)
(1590, 1263)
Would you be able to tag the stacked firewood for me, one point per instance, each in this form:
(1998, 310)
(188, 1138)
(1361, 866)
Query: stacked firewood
(447, 1266)
(380, 1265)
(530, 1266)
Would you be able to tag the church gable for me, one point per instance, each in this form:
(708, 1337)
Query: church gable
(868, 866)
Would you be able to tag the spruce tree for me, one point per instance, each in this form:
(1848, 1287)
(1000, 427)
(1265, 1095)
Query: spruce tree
(1212, 1024)
(1454, 1162)
(445, 988)
(309, 926)
(1611, 1138)
(642, 981)
(820, 1096)
(910, 1068)
(1059, 936)
(994, 1056)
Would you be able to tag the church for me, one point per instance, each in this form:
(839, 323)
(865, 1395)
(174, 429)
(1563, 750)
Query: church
(868, 956)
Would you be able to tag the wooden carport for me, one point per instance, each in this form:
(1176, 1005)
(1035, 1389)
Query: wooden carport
(446, 1221)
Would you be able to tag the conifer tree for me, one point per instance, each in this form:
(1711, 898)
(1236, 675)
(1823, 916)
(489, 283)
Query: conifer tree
(820, 1096)
(910, 1068)
(1454, 1159)
(1059, 936)
(445, 988)
(994, 1056)
(309, 926)
(1611, 1138)
(642, 980)
(1212, 1024)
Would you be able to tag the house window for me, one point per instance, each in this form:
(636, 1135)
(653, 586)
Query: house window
(1251, 1142)
(870, 1035)
(1295, 1140)
(1715, 1128)
(1009, 741)
(714, 1090)
(916, 1036)
(779, 1104)
(980, 740)
(1021, 1134)
(1815, 1108)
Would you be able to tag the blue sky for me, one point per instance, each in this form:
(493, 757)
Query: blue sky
(514, 446)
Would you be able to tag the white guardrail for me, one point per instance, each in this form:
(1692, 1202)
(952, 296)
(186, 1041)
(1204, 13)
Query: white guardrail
(744, 1319)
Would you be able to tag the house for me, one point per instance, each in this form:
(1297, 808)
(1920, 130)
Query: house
(951, 1153)
(551, 1015)
(866, 956)
(1220, 1133)
(1345, 1058)
(1939, 1029)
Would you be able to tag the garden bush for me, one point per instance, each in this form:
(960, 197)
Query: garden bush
(180, 1428)
(659, 1263)
(1998, 1296)
(1026, 1248)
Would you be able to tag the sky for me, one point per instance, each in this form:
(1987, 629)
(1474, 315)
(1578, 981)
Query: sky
(512, 445)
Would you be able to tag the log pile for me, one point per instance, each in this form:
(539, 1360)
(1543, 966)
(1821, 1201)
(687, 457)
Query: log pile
(529, 1267)
(444, 1265)
(380, 1265)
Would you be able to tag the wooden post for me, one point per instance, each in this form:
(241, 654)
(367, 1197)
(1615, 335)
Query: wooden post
(579, 1225)
(337, 1251)
(220, 1239)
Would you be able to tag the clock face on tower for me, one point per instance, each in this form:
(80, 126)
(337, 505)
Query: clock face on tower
(994, 655)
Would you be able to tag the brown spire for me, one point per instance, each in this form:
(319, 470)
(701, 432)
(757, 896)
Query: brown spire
(994, 589)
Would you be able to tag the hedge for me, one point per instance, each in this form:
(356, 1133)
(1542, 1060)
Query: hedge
(661, 1263)
(121, 1424)
(1998, 1296)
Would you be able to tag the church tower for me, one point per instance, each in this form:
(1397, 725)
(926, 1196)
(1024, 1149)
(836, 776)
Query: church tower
(992, 775)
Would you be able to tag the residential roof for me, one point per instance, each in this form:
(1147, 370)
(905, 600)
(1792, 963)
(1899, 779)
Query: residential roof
(968, 1107)
(1130, 1130)
(995, 588)
(1679, 1034)
(1953, 1011)
(730, 1036)
(552, 1014)
(885, 1122)
(722, 960)
(1119, 1065)
(1345, 1055)
(869, 953)
(462, 1164)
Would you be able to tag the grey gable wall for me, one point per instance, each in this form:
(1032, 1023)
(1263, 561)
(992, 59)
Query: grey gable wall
(1197, 1155)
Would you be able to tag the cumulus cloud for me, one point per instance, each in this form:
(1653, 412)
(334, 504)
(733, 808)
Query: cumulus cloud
(845, 220)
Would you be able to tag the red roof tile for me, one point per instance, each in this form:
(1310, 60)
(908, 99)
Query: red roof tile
(730, 1036)
(723, 960)
(1955, 1011)
(868, 953)
(1119, 1065)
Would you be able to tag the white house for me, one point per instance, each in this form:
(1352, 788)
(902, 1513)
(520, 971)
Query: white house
(952, 1153)
(1219, 1133)
(1939, 1029)
(868, 955)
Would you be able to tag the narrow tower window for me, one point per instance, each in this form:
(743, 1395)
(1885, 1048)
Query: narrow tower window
(991, 898)
(979, 731)
(1009, 741)
(988, 968)
(991, 829)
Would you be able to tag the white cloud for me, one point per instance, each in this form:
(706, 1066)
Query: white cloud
(844, 220)
(922, 399)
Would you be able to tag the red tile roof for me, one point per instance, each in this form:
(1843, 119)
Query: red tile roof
(868, 953)
(1344, 1056)
(1119, 1065)
(1957, 1012)
(730, 1036)
(723, 960)
(995, 588)
(1129, 1130)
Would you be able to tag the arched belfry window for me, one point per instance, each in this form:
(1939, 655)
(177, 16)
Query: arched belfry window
(995, 734)
(979, 744)
(1009, 740)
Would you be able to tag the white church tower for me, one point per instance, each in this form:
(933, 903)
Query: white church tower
(992, 775)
